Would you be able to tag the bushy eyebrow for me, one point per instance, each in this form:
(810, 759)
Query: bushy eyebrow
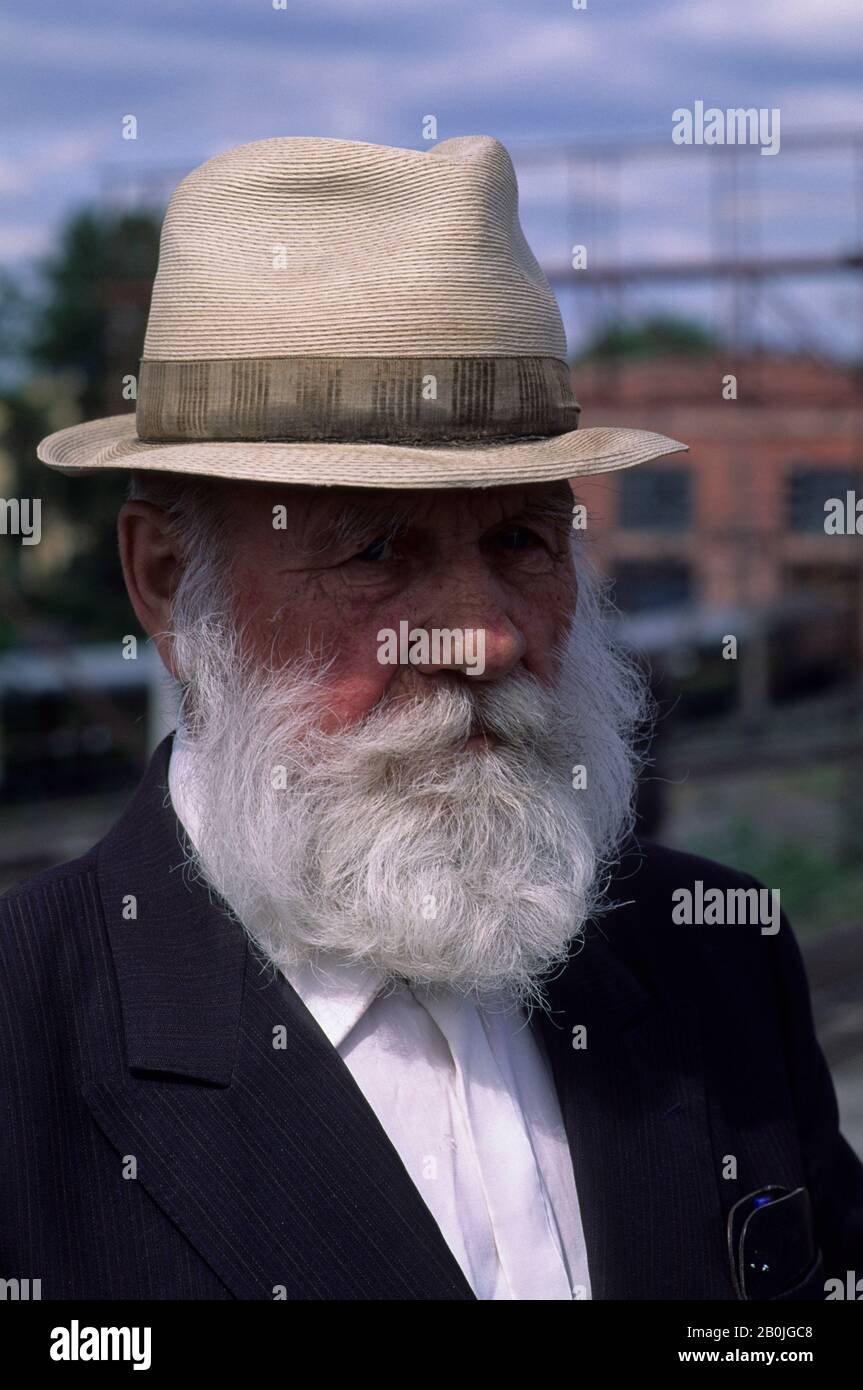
(557, 509)
(355, 522)
(364, 518)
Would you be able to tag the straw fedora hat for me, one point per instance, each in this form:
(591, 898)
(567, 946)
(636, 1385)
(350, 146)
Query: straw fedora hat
(341, 313)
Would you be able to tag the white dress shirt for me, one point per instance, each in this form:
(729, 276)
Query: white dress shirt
(465, 1095)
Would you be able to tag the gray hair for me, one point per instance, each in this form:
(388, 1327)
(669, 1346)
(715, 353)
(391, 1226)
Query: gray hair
(199, 521)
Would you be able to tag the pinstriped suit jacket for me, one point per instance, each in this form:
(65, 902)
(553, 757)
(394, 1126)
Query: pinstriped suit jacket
(155, 1144)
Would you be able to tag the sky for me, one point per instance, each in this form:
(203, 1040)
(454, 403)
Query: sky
(204, 75)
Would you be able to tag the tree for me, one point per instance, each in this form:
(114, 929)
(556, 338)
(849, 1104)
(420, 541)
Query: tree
(99, 254)
(85, 332)
(658, 335)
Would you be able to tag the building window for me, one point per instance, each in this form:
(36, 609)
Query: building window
(644, 584)
(807, 489)
(655, 499)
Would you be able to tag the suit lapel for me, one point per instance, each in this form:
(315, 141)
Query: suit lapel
(635, 1114)
(246, 1127)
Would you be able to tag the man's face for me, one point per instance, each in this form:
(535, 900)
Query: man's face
(344, 564)
(337, 807)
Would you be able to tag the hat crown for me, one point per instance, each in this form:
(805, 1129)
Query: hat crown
(310, 246)
(336, 313)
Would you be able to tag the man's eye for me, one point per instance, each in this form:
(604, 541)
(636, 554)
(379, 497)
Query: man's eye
(518, 538)
(376, 551)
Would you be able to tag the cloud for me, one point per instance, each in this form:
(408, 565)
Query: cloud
(830, 27)
(209, 74)
(22, 240)
(820, 104)
(13, 177)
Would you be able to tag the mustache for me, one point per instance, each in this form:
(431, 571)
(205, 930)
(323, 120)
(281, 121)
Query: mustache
(517, 713)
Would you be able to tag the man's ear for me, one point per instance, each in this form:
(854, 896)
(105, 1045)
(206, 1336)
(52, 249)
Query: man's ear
(151, 562)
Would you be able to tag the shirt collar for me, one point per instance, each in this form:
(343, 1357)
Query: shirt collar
(336, 994)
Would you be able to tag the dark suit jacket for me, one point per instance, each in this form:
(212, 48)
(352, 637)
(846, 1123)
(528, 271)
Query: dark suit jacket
(155, 1144)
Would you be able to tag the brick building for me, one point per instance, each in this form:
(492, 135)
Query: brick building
(739, 520)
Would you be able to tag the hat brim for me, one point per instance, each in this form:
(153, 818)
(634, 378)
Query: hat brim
(113, 443)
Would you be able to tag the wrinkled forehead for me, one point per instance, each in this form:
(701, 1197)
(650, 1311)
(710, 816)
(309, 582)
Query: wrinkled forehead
(322, 514)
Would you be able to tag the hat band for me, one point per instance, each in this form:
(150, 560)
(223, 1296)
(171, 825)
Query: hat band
(409, 400)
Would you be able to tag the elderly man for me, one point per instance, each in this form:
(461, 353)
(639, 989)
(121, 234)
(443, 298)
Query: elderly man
(372, 993)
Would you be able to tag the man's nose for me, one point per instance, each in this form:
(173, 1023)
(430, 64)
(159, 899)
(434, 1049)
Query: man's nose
(472, 635)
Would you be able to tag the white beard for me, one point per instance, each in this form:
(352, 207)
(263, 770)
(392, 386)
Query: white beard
(387, 843)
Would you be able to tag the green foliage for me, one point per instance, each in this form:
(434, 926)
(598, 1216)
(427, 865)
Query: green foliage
(658, 335)
(817, 892)
(74, 340)
(96, 251)
(15, 310)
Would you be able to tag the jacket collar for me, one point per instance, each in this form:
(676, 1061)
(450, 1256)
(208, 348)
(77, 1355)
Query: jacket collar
(180, 960)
